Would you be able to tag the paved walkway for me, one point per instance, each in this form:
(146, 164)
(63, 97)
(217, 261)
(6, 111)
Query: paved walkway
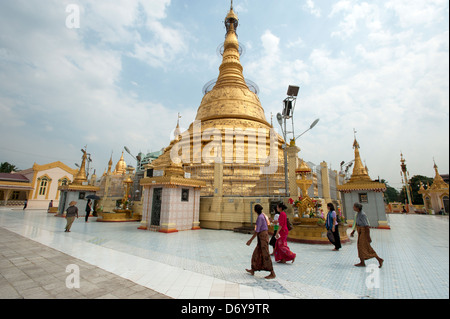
(30, 270)
(211, 264)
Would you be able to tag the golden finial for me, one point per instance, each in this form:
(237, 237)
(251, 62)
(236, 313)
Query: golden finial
(355, 142)
(177, 131)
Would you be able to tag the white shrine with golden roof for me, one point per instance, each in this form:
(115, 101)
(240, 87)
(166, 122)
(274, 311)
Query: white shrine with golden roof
(436, 196)
(362, 189)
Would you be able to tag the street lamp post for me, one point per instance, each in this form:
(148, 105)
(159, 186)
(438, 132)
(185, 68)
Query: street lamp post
(288, 113)
(138, 175)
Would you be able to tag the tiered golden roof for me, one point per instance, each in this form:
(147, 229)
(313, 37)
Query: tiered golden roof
(438, 182)
(438, 186)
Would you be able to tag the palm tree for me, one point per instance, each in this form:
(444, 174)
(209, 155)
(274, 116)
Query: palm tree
(6, 167)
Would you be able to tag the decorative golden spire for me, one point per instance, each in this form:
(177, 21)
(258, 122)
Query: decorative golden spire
(81, 175)
(359, 170)
(438, 181)
(177, 131)
(110, 164)
(360, 179)
(231, 68)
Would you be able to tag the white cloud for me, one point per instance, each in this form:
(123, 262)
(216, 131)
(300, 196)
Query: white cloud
(271, 69)
(418, 12)
(354, 13)
(297, 43)
(379, 66)
(311, 8)
(52, 83)
(167, 44)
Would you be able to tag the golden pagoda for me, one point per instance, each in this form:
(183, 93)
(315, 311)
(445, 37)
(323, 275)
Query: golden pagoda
(231, 105)
(121, 166)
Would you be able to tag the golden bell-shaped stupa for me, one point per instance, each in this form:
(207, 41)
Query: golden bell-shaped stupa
(232, 105)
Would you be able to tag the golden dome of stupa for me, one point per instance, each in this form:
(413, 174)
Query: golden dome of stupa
(121, 166)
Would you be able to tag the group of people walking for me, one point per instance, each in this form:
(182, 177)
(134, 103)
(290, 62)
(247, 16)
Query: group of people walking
(261, 258)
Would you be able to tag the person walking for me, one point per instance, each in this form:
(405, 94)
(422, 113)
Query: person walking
(365, 250)
(273, 240)
(282, 252)
(88, 210)
(50, 205)
(261, 258)
(25, 204)
(71, 212)
(333, 225)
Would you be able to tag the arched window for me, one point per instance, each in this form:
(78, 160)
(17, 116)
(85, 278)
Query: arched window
(43, 186)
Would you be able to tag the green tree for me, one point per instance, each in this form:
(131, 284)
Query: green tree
(391, 194)
(414, 184)
(6, 167)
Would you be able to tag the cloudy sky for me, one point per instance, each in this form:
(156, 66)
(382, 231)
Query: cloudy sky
(120, 77)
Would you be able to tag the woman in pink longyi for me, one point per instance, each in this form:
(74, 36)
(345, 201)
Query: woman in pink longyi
(282, 252)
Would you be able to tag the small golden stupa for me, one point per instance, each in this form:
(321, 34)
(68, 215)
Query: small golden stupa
(360, 179)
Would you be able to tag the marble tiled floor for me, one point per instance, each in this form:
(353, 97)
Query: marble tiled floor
(211, 264)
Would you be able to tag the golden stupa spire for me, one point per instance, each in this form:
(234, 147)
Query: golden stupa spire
(177, 131)
(231, 68)
(81, 175)
(110, 164)
(359, 170)
(438, 181)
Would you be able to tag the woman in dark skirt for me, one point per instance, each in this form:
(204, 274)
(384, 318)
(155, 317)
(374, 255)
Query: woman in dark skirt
(88, 210)
(261, 257)
(333, 225)
(365, 250)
